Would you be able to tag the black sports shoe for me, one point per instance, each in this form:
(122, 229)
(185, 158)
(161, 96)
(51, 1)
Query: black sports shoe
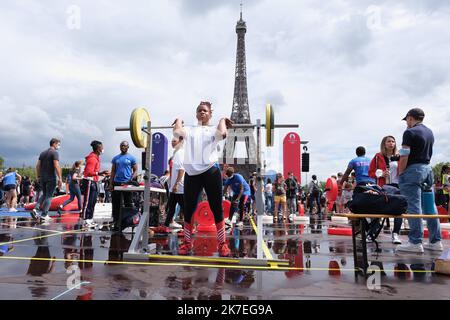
(34, 214)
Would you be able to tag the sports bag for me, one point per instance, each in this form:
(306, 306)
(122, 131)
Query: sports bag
(371, 199)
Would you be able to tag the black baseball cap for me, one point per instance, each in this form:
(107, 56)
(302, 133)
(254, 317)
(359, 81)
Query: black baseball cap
(416, 113)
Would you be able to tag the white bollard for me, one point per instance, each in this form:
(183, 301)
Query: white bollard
(445, 226)
(337, 219)
(267, 219)
(301, 219)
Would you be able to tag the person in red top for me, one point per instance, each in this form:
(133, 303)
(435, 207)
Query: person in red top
(89, 185)
(386, 163)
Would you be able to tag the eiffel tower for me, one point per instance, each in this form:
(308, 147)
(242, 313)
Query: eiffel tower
(241, 112)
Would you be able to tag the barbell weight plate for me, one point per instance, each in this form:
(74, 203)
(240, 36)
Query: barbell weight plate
(332, 189)
(139, 119)
(270, 125)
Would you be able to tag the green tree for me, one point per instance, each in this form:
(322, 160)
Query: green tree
(2, 163)
(322, 185)
(31, 172)
(437, 171)
(65, 172)
(27, 171)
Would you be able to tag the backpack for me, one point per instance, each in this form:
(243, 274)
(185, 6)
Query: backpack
(130, 218)
(315, 189)
(292, 187)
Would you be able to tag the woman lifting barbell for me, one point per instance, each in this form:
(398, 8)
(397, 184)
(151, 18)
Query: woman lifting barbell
(202, 171)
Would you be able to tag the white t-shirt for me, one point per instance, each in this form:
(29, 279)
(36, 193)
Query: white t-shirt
(393, 168)
(202, 146)
(177, 165)
(268, 189)
(163, 179)
(101, 187)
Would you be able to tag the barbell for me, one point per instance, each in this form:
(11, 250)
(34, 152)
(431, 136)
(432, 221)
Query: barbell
(140, 117)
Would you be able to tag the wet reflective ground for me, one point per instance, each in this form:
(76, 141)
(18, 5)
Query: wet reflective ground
(322, 266)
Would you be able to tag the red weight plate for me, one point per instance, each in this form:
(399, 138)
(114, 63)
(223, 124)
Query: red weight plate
(332, 189)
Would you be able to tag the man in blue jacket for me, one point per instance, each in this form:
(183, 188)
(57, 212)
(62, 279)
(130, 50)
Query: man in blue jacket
(241, 193)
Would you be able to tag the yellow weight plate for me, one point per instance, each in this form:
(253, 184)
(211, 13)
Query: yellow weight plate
(139, 119)
(270, 125)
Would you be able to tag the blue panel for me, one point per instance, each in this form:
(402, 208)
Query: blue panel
(160, 150)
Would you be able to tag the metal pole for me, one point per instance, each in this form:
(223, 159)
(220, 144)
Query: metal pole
(122, 128)
(236, 126)
(148, 182)
(142, 229)
(259, 194)
(285, 126)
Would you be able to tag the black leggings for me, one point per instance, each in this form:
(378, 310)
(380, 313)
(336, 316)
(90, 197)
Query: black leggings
(211, 181)
(174, 198)
(240, 207)
(90, 198)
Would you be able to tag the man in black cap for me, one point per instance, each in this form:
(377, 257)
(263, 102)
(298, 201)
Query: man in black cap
(415, 171)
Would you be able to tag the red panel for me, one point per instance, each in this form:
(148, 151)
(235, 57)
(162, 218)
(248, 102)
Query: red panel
(291, 155)
(295, 261)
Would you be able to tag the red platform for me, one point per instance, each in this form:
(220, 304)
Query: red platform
(56, 202)
(340, 231)
(444, 234)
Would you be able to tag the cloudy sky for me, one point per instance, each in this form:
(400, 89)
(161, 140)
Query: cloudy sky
(346, 71)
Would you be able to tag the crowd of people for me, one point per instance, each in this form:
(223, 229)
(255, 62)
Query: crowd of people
(25, 190)
(406, 168)
(194, 172)
(84, 178)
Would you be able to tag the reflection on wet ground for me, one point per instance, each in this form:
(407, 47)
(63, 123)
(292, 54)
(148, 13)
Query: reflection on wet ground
(64, 255)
